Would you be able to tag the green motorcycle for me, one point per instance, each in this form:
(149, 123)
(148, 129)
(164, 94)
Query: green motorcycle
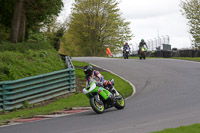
(101, 98)
(142, 53)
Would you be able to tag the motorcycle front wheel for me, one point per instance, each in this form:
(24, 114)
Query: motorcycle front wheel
(120, 104)
(98, 108)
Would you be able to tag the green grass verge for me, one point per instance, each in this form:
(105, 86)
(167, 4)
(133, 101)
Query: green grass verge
(75, 100)
(195, 128)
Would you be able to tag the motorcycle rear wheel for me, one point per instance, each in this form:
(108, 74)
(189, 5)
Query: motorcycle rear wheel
(98, 108)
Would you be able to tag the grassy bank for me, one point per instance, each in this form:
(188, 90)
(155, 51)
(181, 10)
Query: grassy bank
(75, 100)
(24, 59)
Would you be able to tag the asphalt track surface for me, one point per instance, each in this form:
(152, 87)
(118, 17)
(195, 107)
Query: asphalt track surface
(167, 96)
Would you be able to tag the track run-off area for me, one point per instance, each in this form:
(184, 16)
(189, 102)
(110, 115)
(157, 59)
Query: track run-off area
(167, 96)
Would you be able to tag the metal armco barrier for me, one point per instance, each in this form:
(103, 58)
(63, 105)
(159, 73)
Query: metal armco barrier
(68, 62)
(1, 97)
(14, 94)
(178, 53)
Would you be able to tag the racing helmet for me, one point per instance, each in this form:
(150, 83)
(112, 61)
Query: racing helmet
(142, 40)
(88, 70)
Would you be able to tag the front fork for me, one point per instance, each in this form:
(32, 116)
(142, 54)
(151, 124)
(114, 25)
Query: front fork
(97, 98)
(115, 91)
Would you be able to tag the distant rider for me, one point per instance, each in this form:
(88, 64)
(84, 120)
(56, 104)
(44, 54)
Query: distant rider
(142, 44)
(125, 47)
(94, 75)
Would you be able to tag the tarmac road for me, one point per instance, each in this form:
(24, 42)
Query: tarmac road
(167, 96)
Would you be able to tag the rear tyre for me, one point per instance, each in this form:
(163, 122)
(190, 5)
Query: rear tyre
(142, 56)
(98, 108)
(120, 104)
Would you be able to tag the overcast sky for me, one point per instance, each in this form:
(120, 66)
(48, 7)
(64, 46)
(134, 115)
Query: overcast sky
(150, 19)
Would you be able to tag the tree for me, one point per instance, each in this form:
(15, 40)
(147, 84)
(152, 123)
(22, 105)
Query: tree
(95, 25)
(191, 10)
(18, 17)
(29, 14)
(54, 31)
(6, 11)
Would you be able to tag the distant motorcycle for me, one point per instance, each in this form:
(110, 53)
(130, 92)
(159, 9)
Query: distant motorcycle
(101, 98)
(142, 53)
(126, 53)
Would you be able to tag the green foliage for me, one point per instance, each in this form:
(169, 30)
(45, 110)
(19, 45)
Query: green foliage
(78, 63)
(4, 33)
(2, 112)
(191, 10)
(54, 34)
(95, 25)
(6, 12)
(24, 47)
(37, 14)
(42, 12)
(24, 60)
(54, 31)
(26, 105)
(36, 37)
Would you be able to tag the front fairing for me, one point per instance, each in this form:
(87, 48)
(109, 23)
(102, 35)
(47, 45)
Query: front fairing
(93, 90)
(143, 49)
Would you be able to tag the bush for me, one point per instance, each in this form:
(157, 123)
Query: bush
(4, 33)
(23, 60)
(36, 37)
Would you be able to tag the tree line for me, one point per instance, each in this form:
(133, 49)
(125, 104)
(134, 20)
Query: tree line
(92, 26)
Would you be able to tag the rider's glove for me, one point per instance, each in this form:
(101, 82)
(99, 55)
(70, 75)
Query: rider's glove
(99, 84)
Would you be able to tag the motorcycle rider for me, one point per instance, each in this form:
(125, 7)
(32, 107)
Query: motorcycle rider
(142, 44)
(91, 75)
(125, 47)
